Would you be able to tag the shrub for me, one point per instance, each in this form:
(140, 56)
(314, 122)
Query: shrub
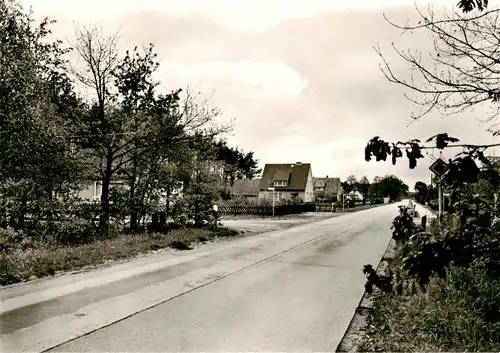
(402, 226)
(11, 240)
(71, 232)
(294, 200)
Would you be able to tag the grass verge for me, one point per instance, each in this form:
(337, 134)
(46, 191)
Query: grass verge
(40, 261)
(459, 313)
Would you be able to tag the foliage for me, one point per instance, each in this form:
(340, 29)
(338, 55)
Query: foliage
(373, 279)
(388, 186)
(469, 5)
(201, 191)
(363, 187)
(403, 226)
(237, 164)
(34, 97)
(466, 241)
(294, 200)
(457, 260)
(131, 137)
(458, 313)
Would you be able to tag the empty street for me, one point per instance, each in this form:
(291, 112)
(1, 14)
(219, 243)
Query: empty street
(288, 290)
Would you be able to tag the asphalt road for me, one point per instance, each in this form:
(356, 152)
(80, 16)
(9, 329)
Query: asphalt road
(289, 290)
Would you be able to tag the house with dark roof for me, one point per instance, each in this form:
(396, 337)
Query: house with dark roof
(327, 188)
(288, 180)
(246, 188)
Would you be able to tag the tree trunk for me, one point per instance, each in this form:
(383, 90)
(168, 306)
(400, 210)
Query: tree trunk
(167, 202)
(197, 221)
(22, 211)
(104, 207)
(132, 198)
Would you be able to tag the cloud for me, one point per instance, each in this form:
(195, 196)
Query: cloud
(302, 79)
(260, 78)
(246, 16)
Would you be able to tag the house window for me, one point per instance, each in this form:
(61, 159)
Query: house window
(277, 196)
(97, 190)
(280, 183)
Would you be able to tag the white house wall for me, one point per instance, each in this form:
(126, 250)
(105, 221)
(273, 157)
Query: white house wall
(280, 195)
(309, 191)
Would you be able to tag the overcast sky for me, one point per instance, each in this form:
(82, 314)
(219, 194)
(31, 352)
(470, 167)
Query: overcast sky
(301, 78)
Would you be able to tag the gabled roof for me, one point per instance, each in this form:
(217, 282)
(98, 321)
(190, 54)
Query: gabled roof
(282, 174)
(332, 185)
(319, 183)
(246, 187)
(297, 180)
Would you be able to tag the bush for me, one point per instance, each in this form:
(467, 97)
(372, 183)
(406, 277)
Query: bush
(294, 200)
(11, 240)
(71, 232)
(402, 226)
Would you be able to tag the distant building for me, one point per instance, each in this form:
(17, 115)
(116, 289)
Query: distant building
(246, 188)
(355, 195)
(327, 188)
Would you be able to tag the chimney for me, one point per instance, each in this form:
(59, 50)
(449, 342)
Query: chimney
(327, 176)
(298, 163)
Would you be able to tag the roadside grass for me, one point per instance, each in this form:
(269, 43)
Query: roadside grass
(40, 260)
(459, 313)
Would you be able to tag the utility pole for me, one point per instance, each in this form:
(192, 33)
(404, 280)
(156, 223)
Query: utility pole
(274, 198)
(440, 199)
(439, 168)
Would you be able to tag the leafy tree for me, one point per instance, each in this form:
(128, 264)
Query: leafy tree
(350, 184)
(248, 165)
(237, 165)
(35, 97)
(389, 186)
(363, 186)
(202, 185)
(130, 129)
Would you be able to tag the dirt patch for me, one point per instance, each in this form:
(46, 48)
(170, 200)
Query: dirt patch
(254, 225)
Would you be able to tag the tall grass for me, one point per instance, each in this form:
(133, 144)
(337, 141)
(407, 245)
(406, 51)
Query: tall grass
(21, 263)
(458, 313)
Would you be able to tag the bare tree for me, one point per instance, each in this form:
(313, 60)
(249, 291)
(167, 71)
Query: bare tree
(100, 58)
(463, 71)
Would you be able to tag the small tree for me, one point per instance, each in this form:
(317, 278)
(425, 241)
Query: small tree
(201, 192)
(350, 184)
(363, 187)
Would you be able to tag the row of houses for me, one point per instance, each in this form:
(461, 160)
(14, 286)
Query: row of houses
(286, 181)
(281, 181)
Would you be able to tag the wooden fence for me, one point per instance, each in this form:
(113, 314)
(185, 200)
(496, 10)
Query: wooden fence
(325, 207)
(245, 210)
(279, 210)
